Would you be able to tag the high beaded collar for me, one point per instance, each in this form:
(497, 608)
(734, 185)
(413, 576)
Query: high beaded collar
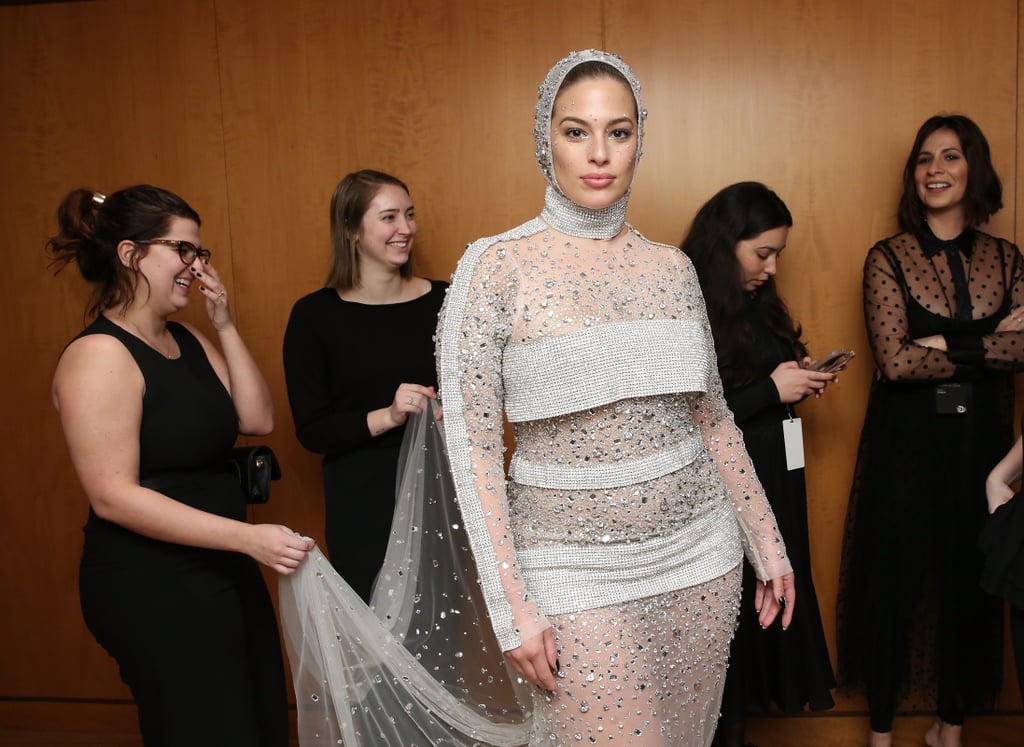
(560, 212)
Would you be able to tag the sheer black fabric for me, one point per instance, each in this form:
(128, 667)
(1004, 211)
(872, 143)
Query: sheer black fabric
(912, 620)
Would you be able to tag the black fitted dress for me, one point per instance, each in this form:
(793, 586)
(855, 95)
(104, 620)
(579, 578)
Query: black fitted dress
(342, 360)
(912, 620)
(790, 669)
(193, 630)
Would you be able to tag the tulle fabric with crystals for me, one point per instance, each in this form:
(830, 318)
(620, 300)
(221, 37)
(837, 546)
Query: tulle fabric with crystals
(420, 666)
(630, 497)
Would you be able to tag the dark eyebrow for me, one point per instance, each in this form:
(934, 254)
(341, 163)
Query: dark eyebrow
(612, 123)
(953, 148)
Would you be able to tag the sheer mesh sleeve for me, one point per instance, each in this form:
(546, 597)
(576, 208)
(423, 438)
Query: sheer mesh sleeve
(994, 272)
(762, 541)
(474, 327)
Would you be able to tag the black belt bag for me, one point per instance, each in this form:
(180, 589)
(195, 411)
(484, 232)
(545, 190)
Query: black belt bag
(255, 466)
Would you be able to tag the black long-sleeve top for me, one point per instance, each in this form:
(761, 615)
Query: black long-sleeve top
(343, 359)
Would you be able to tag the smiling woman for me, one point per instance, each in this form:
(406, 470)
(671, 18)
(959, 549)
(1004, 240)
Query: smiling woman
(942, 301)
(150, 409)
(358, 360)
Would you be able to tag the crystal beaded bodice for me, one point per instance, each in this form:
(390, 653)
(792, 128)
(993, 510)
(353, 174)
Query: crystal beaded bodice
(604, 363)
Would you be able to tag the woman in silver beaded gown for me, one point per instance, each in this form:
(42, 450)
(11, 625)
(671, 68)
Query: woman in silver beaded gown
(610, 557)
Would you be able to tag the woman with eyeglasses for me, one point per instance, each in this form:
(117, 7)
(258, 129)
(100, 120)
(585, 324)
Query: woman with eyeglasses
(169, 578)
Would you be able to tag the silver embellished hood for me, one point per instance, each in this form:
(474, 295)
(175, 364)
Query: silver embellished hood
(559, 211)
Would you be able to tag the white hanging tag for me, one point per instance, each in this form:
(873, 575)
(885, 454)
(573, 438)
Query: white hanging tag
(793, 436)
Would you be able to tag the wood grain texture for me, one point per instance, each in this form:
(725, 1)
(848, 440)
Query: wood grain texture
(253, 110)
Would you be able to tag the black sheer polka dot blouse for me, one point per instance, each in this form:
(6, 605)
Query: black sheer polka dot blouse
(917, 285)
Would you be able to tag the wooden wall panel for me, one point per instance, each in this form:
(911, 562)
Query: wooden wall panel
(439, 94)
(253, 110)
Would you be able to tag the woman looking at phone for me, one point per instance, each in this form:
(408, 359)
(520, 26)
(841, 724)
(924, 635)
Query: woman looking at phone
(942, 301)
(734, 243)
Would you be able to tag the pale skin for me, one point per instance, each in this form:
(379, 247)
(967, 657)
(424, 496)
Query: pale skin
(998, 488)
(940, 162)
(386, 236)
(593, 146)
(98, 390)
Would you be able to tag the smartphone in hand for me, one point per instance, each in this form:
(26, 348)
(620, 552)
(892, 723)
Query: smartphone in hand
(834, 362)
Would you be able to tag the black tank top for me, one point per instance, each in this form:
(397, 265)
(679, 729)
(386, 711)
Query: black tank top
(189, 425)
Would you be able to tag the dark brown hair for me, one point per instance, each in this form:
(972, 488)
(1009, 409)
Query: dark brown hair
(595, 70)
(738, 212)
(91, 228)
(984, 194)
(351, 200)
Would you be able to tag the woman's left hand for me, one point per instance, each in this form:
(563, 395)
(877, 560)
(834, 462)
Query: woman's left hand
(1012, 322)
(772, 596)
(216, 295)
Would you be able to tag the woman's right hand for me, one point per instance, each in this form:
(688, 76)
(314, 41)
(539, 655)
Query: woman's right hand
(536, 659)
(794, 383)
(276, 546)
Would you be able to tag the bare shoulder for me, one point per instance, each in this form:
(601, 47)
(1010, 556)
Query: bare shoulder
(99, 351)
(95, 366)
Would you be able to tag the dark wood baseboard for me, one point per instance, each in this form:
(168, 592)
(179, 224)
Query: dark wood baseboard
(93, 723)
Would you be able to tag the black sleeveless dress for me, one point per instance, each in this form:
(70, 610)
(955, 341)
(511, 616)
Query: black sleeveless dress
(193, 630)
(912, 620)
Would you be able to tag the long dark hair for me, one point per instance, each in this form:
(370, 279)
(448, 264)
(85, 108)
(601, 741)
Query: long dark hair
(91, 227)
(983, 197)
(740, 211)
